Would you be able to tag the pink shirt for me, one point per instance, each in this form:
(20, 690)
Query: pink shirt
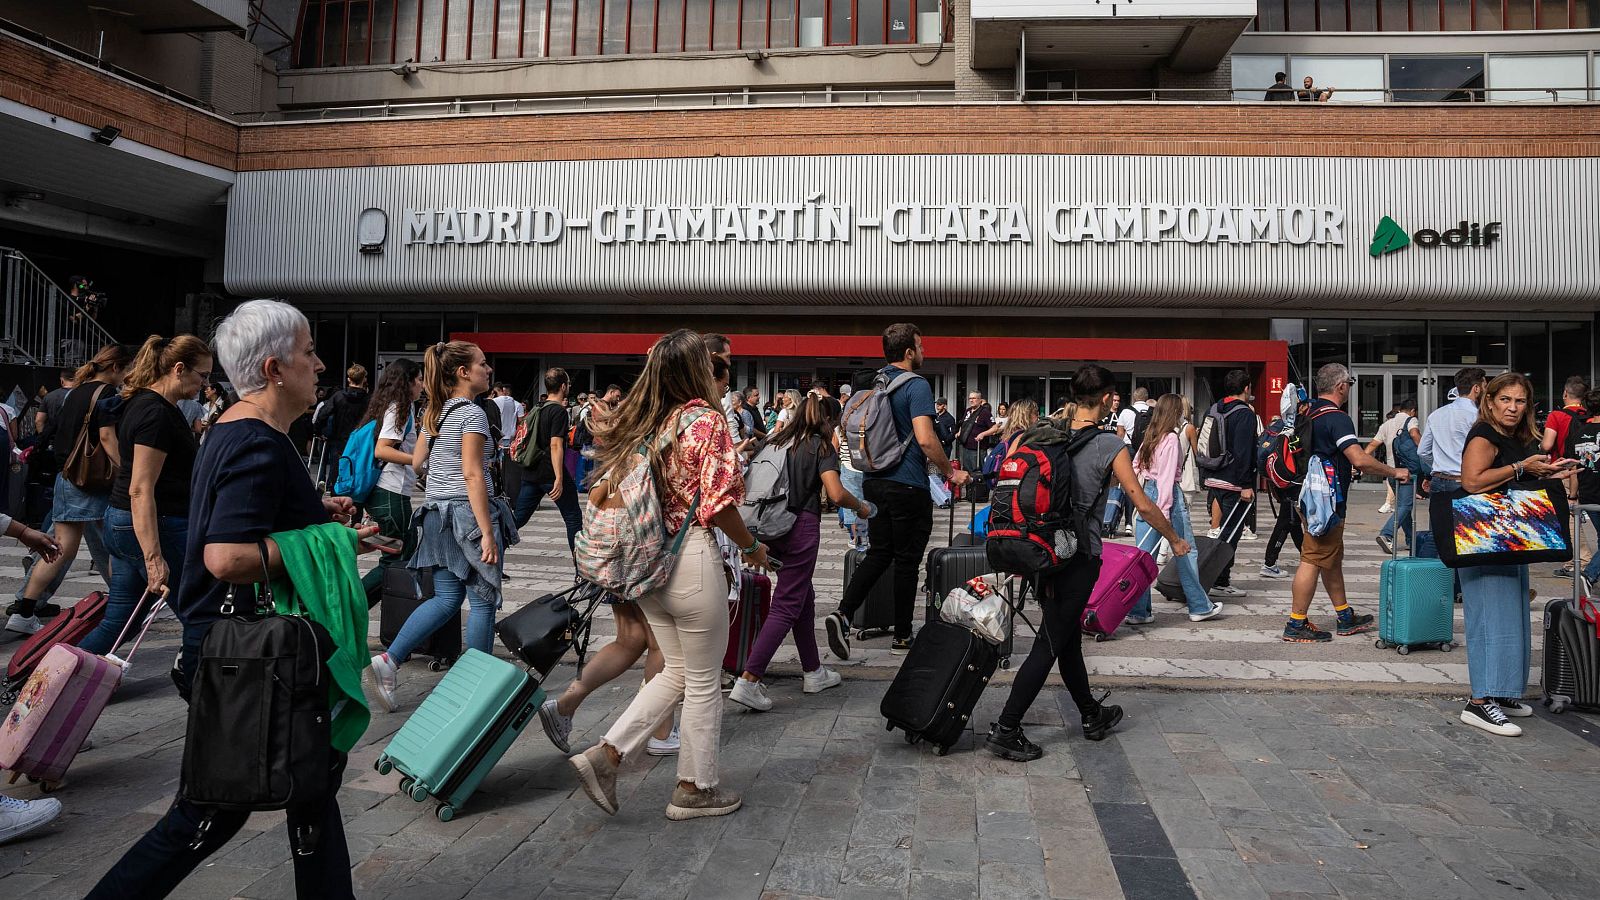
(1166, 469)
(703, 460)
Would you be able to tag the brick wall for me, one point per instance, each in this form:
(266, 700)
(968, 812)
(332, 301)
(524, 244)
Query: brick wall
(976, 84)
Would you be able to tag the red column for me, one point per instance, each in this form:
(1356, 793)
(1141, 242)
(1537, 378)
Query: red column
(1274, 375)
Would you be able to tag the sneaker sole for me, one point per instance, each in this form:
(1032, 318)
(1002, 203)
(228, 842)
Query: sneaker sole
(387, 702)
(591, 784)
(1362, 629)
(1008, 753)
(660, 751)
(552, 730)
(1470, 719)
(1307, 640)
(24, 630)
(750, 706)
(1517, 712)
(684, 813)
(23, 828)
(1105, 729)
(807, 689)
(838, 641)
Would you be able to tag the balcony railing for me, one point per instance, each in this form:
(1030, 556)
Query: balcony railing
(916, 97)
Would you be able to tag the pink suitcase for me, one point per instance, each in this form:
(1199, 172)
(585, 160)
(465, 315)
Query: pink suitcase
(1125, 573)
(58, 705)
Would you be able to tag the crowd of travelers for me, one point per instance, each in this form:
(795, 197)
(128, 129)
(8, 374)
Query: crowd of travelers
(190, 509)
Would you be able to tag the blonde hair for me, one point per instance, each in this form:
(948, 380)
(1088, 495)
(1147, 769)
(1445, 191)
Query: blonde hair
(356, 375)
(157, 357)
(1021, 415)
(677, 370)
(110, 358)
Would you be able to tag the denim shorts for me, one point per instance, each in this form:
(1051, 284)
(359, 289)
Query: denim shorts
(74, 504)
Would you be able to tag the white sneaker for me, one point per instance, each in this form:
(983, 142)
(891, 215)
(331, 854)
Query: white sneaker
(1214, 533)
(23, 625)
(1227, 590)
(668, 747)
(557, 728)
(1132, 619)
(1273, 572)
(1216, 610)
(385, 679)
(820, 680)
(1248, 535)
(1385, 509)
(752, 694)
(18, 817)
(1491, 718)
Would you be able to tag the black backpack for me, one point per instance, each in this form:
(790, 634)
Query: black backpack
(1034, 525)
(1141, 424)
(259, 724)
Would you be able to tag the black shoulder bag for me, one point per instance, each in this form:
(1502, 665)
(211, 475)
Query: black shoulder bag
(259, 724)
(541, 632)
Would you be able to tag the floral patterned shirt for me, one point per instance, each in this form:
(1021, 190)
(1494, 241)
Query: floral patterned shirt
(703, 459)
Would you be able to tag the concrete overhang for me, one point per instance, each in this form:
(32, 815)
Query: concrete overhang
(179, 15)
(59, 179)
(1192, 36)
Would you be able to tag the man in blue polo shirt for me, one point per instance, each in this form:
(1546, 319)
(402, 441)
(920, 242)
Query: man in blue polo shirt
(898, 533)
(1333, 438)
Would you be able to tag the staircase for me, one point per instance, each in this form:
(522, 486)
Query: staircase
(43, 325)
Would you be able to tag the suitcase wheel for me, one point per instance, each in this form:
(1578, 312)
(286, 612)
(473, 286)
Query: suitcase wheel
(941, 750)
(383, 765)
(445, 812)
(1557, 705)
(436, 666)
(911, 738)
(1446, 646)
(1404, 649)
(1381, 644)
(405, 784)
(418, 792)
(1005, 663)
(1101, 637)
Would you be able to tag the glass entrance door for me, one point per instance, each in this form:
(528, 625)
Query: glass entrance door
(1377, 391)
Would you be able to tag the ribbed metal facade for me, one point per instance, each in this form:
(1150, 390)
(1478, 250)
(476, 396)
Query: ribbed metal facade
(293, 233)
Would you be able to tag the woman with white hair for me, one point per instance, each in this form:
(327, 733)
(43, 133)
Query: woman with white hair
(249, 482)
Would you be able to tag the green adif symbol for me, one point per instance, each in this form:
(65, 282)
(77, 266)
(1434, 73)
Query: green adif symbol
(1388, 237)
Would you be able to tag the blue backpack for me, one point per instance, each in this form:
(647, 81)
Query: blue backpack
(1268, 442)
(359, 466)
(1406, 455)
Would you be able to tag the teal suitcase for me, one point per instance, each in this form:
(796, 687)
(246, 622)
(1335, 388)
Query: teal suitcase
(1416, 604)
(461, 730)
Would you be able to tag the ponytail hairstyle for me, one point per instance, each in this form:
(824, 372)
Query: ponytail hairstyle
(110, 358)
(157, 357)
(439, 365)
(812, 417)
(393, 391)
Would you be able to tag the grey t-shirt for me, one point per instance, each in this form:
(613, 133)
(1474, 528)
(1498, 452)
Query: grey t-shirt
(1091, 477)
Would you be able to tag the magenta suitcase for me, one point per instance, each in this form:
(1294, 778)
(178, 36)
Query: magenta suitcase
(1125, 573)
(57, 707)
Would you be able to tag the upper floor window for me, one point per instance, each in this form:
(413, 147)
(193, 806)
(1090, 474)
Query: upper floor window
(385, 32)
(1425, 15)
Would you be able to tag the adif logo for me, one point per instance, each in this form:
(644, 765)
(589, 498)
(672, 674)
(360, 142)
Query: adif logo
(1389, 236)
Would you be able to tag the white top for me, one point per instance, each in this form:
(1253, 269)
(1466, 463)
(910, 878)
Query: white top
(508, 420)
(1446, 437)
(1128, 418)
(1390, 430)
(445, 481)
(398, 478)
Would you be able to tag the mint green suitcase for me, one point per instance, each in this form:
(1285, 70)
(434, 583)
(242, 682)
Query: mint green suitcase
(461, 730)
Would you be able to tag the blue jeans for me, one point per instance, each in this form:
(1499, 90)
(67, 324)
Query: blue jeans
(1146, 537)
(127, 574)
(1405, 496)
(531, 494)
(1494, 601)
(440, 609)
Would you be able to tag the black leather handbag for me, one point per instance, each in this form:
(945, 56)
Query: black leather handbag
(542, 632)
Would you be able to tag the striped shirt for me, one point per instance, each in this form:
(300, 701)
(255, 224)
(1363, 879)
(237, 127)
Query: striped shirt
(445, 481)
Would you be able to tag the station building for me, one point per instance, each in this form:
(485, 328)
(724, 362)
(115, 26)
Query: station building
(1037, 184)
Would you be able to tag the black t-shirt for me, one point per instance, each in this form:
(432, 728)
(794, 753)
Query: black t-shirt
(1507, 450)
(553, 423)
(73, 409)
(248, 483)
(147, 418)
(808, 459)
(1583, 445)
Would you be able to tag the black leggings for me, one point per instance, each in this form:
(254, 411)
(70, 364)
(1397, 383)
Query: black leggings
(1064, 597)
(1288, 525)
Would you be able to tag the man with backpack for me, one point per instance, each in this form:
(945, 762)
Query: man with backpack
(1330, 440)
(1400, 437)
(1228, 461)
(542, 454)
(892, 440)
(1556, 425)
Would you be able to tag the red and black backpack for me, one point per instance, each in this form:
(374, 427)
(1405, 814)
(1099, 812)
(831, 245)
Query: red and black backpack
(1034, 527)
(1285, 464)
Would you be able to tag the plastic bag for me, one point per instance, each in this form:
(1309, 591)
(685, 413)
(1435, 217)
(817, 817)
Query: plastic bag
(940, 490)
(980, 605)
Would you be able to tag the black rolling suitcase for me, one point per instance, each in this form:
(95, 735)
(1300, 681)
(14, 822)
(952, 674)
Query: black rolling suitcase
(1571, 673)
(404, 590)
(1215, 554)
(876, 615)
(932, 696)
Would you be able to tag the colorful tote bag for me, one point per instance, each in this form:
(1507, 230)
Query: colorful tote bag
(1518, 524)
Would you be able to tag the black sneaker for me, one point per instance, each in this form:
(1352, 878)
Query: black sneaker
(1514, 707)
(1354, 624)
(1303, 632)
(1098, 724)
(900, 646)
(1012, 744)
(838, 635)
(47, 610)
(1491, 718)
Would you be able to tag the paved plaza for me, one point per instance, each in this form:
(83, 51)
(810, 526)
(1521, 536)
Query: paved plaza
(1246, 768)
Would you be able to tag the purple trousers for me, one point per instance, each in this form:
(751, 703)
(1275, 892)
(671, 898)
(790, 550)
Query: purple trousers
(794, 600)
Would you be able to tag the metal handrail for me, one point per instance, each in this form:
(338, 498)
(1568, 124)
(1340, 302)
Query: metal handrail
(43, 325)
(458, 107)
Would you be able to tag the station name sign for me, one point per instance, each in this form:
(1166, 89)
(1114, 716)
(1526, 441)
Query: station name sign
(818, 221)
